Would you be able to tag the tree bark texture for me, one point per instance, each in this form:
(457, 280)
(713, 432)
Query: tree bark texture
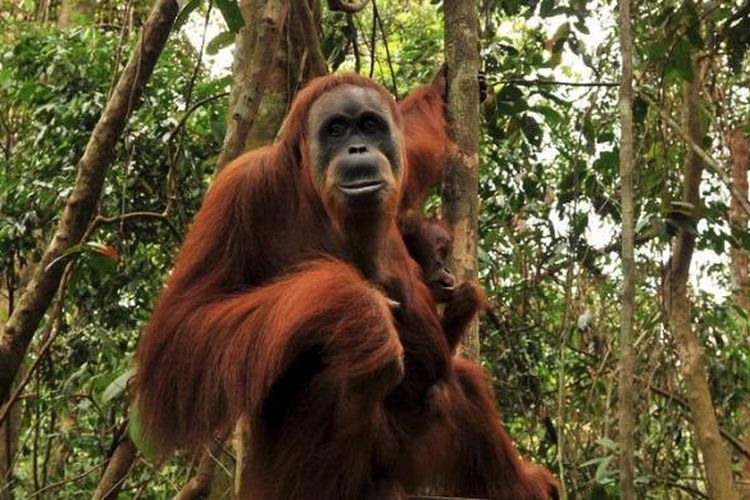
(275, 100)
(8, 449)
(81, 204)
(307, 27)
(460, 182)
(247, 96)
(738, 147)
(627, 354)
(740, 156)
(117, 470)
(692, 360)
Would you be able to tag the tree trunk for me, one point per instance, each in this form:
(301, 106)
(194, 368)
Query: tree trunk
(738, 147)
(627, 355)
(259, 39)
(460, 183)
(117, 470)
(275, 99)
(81, 204)
(692, 363)
(306, 28)
(8, 449)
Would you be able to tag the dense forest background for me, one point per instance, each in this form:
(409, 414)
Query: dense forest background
(549, 234)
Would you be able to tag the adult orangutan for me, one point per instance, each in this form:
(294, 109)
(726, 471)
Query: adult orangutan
(295, 304)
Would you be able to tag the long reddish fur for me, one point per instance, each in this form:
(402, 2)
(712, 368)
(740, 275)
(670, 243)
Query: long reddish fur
(265, 317)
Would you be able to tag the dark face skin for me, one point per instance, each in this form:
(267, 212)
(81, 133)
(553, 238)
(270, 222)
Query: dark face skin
(429, 244)
(439, 278)
(356, 151)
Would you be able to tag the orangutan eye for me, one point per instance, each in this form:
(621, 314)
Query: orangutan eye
(370, 124)
(337, 128)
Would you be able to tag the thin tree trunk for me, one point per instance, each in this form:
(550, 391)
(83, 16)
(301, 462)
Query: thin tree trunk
(117, 470)
(460, 183)
(692, 361)
(275, 100)
(81, 204)
(738, 147)
(249, 94)
(627, 355)
(8, 449)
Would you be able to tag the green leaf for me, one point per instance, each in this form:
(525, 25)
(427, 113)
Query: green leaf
(88, 247)
(510, 100)
(184, 14)
(556, 43)
(72, 380)
(603, 474)
(546, 8)
(117, 386)
(607, 443)
(102, 264)
(683, 207)
(551, 115)
(679, 66)
(608, 161)
(223, 39)
(232, 14)
(531, 130)
(593, 461)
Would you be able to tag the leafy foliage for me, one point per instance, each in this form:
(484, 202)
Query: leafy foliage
(53, 86)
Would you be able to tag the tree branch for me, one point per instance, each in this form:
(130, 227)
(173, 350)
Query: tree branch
(376, 17)
(563, 83)
(101, 220)
(118, 466)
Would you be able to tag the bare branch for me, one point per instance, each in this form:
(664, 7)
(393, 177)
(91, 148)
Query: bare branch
(376, 17)
(63, 482)
(101, 220)
(563, 83)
